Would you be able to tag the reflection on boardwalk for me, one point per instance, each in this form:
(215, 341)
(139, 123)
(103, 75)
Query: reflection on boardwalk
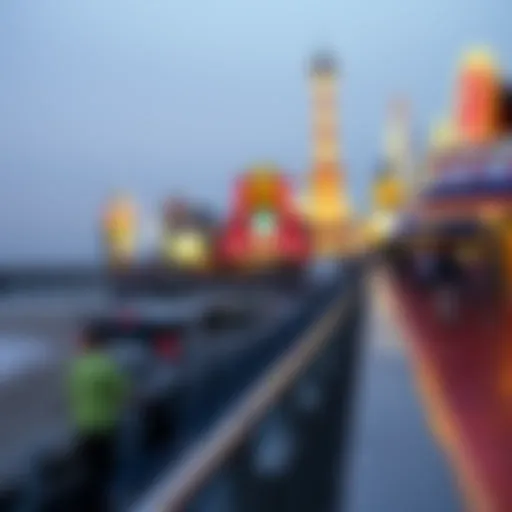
(463, 364)
(397, 465)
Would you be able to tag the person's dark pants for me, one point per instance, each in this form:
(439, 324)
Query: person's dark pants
(97, 453)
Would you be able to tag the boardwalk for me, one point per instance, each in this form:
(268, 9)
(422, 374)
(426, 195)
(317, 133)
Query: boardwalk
(397, 465)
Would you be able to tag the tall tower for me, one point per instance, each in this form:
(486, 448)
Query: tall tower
(397, 144)
(443, 140)
(328, 207)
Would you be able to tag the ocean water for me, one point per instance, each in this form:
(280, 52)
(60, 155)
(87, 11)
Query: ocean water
(41, 301)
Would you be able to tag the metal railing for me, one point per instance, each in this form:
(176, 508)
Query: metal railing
(280, 444)
(233, 425)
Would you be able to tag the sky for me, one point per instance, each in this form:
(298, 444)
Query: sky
(160, 97)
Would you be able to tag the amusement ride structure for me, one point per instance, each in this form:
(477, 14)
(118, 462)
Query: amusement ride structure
(327, 208)
(264, 226)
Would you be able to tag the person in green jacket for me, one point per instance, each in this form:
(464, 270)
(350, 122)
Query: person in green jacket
(98, 392)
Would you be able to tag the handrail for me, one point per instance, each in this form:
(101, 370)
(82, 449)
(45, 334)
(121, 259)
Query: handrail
(172, 493)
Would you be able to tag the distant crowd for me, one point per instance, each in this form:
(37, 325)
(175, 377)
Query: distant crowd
(449, 274)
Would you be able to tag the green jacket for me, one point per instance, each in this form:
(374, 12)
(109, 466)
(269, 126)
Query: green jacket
(97, 392)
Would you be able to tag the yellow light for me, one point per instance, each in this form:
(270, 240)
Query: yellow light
(389, 193)
(186, 248)
(443, 135)
(383, 223)
(480, 58)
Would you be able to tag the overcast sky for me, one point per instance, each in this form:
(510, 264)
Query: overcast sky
(176, 96)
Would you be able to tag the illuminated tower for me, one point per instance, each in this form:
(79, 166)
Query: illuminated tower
(397, 148)
(443, 136)
(328, 207)
(443, 142)
(477, 97)
(394, 177)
